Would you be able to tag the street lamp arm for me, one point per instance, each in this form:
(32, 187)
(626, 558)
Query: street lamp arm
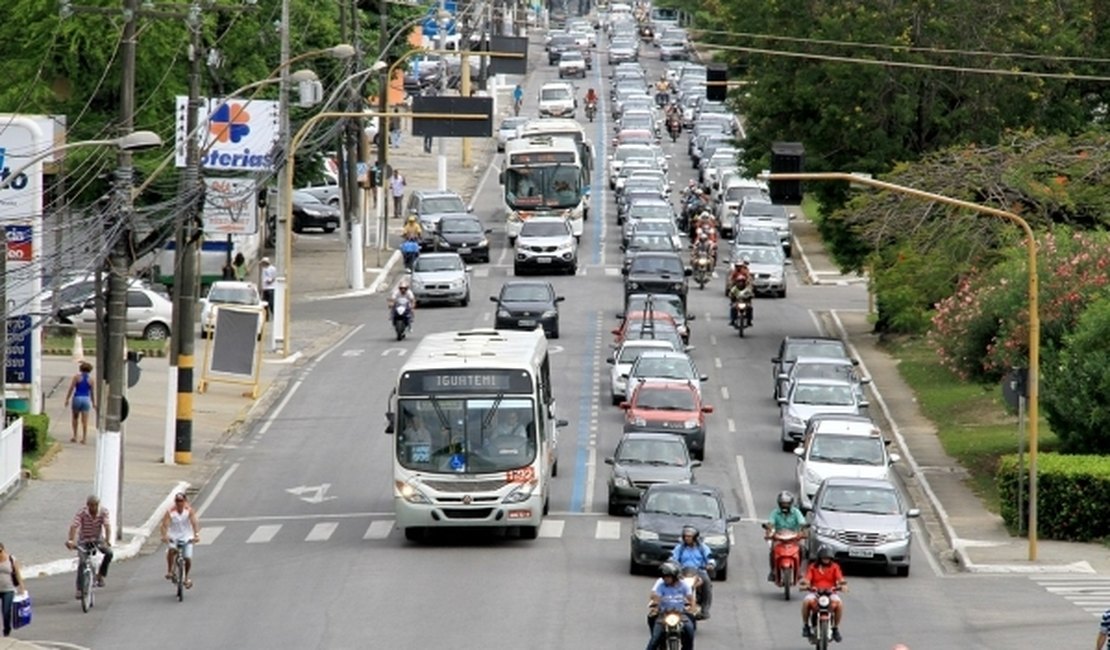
(129, 142)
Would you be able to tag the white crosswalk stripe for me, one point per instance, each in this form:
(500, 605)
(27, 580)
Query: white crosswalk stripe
(321, 532)
(263, 534)
(209, 535)
(379, 529)
(608, 529)
(1091, 593)
(552, 528)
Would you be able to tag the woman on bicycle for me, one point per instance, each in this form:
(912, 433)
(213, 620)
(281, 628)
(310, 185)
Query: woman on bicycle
(180, 525)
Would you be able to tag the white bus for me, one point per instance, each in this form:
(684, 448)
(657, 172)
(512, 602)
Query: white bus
(475, 441)
(561, 127)
(544, 177)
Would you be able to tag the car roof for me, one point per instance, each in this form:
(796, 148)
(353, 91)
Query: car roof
(665, 354)
(233, 284)
(811, 339)
(427, 194)
(660, 436)
(697, 488)
(433, 256)
(643, 315)
(860, 482)
(821, 381)
(846, 428)
(838, 361)
(547, 220)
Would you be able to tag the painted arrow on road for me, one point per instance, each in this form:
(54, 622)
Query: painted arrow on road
(315, 493)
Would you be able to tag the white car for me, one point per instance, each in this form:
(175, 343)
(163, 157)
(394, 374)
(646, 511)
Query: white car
(440, 277)
(149, 315)
(572, 64)
(225, 292)
(840, 448)
(665, 364)
(557, 100)
(622, 361)
(629, 151)
(546, 243)
(810, 396)
(509, 129)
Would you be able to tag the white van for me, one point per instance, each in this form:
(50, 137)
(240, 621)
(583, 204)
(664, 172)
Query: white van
(557, 100)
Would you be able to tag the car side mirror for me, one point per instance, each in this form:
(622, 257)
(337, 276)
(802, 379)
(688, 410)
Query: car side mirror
(689, 316)
(631, 510)
(894, 458)
(560, 298)
(470, 208)
(783, 376)
(913, 513)
(788, 262)
(776, 360)
(609, 460)
(610, 360)
(626, 405)
(488, 231)
(624, 271)
(389, 422)
(493, 299)
(689, 348)
(704, 377)
(707, 409)
(616, 332)
(694, 464)
(865, 380)
(864, 404)
(687, 271)
(782, 400)
(561, 423)
(799, 451)
(732, 519)
(467, 269)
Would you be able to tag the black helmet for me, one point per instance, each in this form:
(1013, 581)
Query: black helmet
(669, 569)
(824, 553)
(786, 500)
(690, 530)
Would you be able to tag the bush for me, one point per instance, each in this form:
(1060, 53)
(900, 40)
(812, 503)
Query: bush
(1072, 495)
(35, 428)
(1076, 385)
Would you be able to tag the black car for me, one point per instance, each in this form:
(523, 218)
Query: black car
(793, 347)
(657, 273)
(463, 234)
(526, 305)
(557, 46)
(662, 512)
(311, 212)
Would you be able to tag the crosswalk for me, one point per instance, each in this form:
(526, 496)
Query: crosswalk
(230, 531)
(1091, 593)
(506, 270)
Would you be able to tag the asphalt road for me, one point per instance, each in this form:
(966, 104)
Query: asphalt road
(289, 563)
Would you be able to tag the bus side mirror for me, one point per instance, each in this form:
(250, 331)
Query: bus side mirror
(389, 422)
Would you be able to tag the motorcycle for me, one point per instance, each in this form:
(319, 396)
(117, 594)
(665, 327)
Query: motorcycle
(703, 269)
(410, 250)
(700, 588)
(672, 630)
(674, 128)
(743, 308)
(591, 110)
(401, 316)
(820, 621)
(787, 553)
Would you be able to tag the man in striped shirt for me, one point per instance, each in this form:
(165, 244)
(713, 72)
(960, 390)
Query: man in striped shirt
(1103, 631)
(92, 525)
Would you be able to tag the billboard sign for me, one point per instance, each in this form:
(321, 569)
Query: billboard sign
(230, 206)
(20, 208)
(20, 360)
(234, 135)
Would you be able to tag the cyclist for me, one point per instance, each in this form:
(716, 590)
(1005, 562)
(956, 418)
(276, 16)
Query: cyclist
(92, 526)
(518, 98)
(180, 524)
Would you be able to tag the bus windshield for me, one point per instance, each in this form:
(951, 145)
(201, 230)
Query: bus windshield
(466, 435)
(558, 186)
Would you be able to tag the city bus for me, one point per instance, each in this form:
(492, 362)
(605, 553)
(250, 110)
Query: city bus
(560, 127)
(544, 177)
(475, 434)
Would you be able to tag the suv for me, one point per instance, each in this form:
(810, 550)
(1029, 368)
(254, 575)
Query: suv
(657, 273)
(557, 100)
(669, 406)
(840, 447)
(545, 243)
(429, 206)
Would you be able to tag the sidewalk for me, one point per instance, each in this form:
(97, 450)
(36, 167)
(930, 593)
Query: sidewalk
(35, 519)
(961, 531)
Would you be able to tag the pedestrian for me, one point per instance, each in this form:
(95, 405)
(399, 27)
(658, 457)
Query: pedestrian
(92, 527)
(397, 192)
(228, 271)
(1103, 631)
(374, 179)
(240, 265)
(269, 281)
(395, 130)
(81, 398)
(11, 581)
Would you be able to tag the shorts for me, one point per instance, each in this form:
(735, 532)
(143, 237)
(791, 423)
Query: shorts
(81, 404)
(812, 597)
(187, 552)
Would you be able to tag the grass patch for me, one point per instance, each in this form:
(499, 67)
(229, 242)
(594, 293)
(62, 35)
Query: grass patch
(811, 208)
(972, 421)
(89, 344)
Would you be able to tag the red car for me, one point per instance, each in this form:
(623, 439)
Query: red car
(635, 321)
(668, 406)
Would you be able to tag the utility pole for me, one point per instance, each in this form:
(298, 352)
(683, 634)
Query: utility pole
(384, 125)
(441, 156)
(353, 136)
(281, 254)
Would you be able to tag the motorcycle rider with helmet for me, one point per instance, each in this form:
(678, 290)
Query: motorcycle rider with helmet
(692, 553)
(412, 229)
(591, 96)
(670, 594)
(703, 246)
(823, 575)
(402, 294)
(787, 517)
(740, 288)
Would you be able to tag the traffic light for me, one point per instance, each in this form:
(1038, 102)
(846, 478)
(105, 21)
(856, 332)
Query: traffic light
(786, 158)
(716, 82)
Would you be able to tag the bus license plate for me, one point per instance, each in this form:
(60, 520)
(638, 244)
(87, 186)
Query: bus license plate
(861, 552)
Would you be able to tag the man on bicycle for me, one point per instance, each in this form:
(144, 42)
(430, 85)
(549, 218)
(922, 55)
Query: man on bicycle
(180, 524)
(518, 98)
(92, 526)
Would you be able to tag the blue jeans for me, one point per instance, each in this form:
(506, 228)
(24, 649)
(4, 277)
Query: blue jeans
(657, 632)
(6, 598)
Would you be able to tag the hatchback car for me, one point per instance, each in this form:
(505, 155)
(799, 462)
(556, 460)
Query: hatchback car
(862, 520)
(755, 237)
(764, 214)
(546, 244)
(527, 304)
(623, 359)
(807, 397)
(823, 368)
(557, 100)
(667, 302)
(854, 449)
(792, 347)
(311, 212)
(666, 364)
(440, 277)
(225, 292)
(429, 206)
(664, 510)
(463, 234)
(645, 459)
(667, 405)
(572, 64)
(149, 315)
(767, 266)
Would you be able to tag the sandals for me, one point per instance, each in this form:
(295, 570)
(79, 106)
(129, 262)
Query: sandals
(188, 583)
(169, 576)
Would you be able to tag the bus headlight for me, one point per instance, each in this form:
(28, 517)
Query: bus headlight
(409, 493)
(522, 493)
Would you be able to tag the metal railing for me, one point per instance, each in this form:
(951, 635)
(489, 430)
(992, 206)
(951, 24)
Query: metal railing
(11, 455)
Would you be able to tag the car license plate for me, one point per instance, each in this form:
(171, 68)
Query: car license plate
(861, 552)
(543, 260)
(527, 323)
(464, 250)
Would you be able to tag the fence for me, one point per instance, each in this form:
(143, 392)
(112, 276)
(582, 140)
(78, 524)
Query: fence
(11, 456)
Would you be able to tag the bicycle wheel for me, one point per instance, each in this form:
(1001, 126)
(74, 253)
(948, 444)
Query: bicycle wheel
(86, 588)
(179, 576)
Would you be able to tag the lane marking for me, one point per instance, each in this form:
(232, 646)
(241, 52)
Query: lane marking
(724, 392)
(346, 515)
(334, 346)
(379, 529)
(612, 272)
(731, 425)
(582, 491)
(263, 534)
(712, 339)
(210, 535)
(321, 532)
(216, 490)
(551, 528)
(745, 488)
(608, 529)
(717, 362)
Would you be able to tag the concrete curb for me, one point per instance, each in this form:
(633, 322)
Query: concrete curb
(374, 287)
(813, 277)
(125, 551)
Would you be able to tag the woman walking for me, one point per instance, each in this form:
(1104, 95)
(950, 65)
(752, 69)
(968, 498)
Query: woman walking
(81, 399)
(11, 580)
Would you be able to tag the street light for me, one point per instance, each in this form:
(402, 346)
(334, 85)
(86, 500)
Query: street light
(134, 141)
(1034, 307)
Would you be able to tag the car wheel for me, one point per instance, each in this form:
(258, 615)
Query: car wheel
(555, 331)
(615, 399)
(466, 299)
(722, 575)
(633, 568)
(782, 294)
(555, 468)
(517, 270)
(414, 534)
(330, 228)
(902, 571)
(156, 332)
(297, 229)
(614, 508)
(788, 445)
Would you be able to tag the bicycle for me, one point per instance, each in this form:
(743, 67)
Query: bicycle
(86, 575)
(516, 106)
(179, 568)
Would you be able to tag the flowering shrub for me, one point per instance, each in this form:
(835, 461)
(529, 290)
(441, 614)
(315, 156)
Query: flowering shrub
(982, 330)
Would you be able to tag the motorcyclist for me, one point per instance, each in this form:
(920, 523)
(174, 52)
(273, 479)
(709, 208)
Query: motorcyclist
(402, 295)
(412, 229)
(591, 96)
(786, 517)
(703, 246)
(740, 288)
(670, 594)
(692, 553)
(823, 575)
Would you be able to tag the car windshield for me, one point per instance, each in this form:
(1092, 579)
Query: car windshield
(762, 254)
(305, 197)
(558, 186)
(760, 236)
(665, 367)
(460, 226)
(511, 123)
(624, 153)
(643, 211)
(653, 452)
(761, 209)
(654, 226)
(233, 295)
(843, 371)
(629, 353)
(571, 56)
(554, 94)
(739, 193)
(682, 504)
(466, 435)
(544, 229)
(824, 395)
(672, 307)
(637, 122)
(665, 399)
(831, 350)
(442, 204)
(847, 450)
(429, 264)
(656, 265)
(524, 293)
(875, 501)
(651, 242)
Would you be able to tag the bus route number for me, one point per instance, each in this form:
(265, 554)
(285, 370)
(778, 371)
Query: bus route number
(521, 475)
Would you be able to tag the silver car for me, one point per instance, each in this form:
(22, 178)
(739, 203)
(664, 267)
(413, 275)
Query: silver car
(808, 397)
(768, 267)
(862, 520)
(440, 277)
(666, 364)
(508, 130)
(149, 315)
(225, 292)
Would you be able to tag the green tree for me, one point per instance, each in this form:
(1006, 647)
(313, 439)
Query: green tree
(1076, 387)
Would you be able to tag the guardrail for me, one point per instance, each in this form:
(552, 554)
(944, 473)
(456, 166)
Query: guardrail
(11, 456)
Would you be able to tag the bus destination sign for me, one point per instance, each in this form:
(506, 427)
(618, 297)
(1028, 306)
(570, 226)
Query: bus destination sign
(445, 382)
(541, 158)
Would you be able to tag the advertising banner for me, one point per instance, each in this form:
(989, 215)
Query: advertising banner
(234, 135)
(230, 206)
